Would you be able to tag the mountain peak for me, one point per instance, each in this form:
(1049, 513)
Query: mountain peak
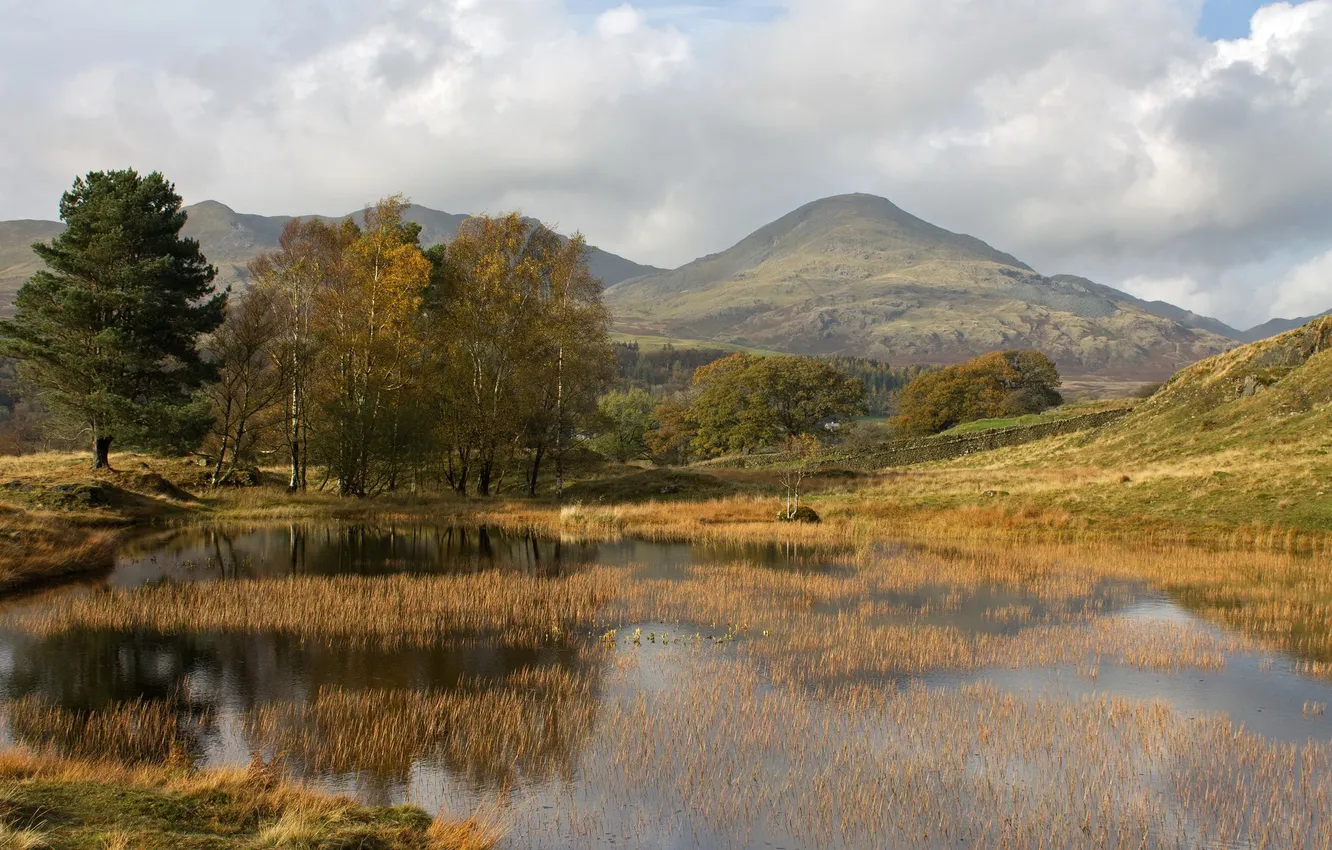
(856, 274)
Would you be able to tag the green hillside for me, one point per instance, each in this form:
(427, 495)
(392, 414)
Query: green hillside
(1243, 438)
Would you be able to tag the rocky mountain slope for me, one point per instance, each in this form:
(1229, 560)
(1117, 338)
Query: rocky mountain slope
(1271, 397)
(855, 274)
(231, 239)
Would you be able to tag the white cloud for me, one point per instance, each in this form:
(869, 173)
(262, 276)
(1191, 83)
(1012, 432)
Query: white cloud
(1305, 290)
(1100, 137)
(1180, 290)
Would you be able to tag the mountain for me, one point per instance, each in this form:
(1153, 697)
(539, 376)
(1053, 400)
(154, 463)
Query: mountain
(230, 240)
(855, 274)
(1272, 327)
(17, 262)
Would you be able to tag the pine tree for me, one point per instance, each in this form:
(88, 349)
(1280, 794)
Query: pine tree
(108, 332)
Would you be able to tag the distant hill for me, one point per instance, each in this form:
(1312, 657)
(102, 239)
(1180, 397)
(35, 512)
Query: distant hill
(230, 240)
(1277, 326)
(17, 262)
(855, 274)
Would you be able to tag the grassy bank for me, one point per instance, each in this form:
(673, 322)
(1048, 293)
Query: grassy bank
(59, 804)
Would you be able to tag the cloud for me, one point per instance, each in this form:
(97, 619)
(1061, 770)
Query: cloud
(1095, 137)
(1306, 290)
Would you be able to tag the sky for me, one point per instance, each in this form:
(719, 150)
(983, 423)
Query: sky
(1177, 149)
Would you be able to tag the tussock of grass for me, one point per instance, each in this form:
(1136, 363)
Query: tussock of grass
(72, 804)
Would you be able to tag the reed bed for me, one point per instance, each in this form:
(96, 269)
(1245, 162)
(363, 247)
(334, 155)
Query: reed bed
(526, 727)
(853, 519)
(135, 732)
(733, 704)
(389, 611)
(721, 758)
(1277, 601)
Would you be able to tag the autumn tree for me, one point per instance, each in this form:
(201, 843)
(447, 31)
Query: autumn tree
(366, 324)
(309, 261)
(573, 360)
(745, 402)
(998, 384)
(672, 439)
(519, 350)
(251, 380)
(108, 331)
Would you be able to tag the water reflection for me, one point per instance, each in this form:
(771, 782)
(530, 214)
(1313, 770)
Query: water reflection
(477, 720)
(215, 553)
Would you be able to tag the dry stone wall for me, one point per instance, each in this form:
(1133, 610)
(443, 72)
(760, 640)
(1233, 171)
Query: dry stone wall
(927, 449)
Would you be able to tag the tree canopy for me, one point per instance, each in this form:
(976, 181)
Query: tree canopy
(108, 332)
(998, 384)
(745, 402)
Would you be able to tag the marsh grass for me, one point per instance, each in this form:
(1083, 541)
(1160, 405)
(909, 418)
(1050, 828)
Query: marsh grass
(36, 548)
(135, 732)
(389, 611)
(529, 726)
(785, 703)
(721, 756)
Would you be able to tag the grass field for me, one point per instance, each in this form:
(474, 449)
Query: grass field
(648, 342)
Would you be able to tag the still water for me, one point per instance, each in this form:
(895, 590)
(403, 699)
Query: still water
(547, 762)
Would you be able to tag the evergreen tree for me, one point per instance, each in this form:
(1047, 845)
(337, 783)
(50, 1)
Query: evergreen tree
(109, 331)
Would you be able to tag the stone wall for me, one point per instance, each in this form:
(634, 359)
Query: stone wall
(927, 449)
(907, 452)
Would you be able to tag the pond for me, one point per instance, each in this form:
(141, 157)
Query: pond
(718, 696)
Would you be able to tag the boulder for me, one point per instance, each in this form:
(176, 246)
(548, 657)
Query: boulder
(804, 513)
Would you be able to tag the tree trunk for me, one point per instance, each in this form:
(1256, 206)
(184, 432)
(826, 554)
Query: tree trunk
(101, 453)
(534, 475)
(294, 433)
(559, 427)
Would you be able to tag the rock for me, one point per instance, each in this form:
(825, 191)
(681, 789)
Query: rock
(248, 477)
(1250, 387)
(804, 513)
(83, 495)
